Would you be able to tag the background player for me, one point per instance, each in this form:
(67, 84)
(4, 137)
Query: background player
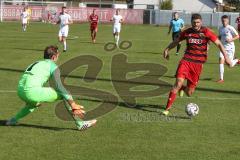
(176, 25)
(93, 19)
(117, 20)
(64, 20)
(29, 11)
(238, 23)
(24, 17)
(190, 67)
(227, 35)
(32, 91)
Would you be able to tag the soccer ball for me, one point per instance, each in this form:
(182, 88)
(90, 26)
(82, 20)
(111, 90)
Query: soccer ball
(192, 109)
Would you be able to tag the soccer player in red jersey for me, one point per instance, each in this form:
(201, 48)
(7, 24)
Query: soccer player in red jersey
(93, 19)
(190, 67)
(238, 23)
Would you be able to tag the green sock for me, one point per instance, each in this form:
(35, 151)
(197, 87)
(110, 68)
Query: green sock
(24, 112)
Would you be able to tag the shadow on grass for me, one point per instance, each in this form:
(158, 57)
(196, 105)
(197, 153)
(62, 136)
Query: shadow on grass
(89, 42)
(138, 106)
(29, 49)
(134, 82)
(148, 52)
(3, 123)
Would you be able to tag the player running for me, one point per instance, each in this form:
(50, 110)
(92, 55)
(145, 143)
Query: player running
(32, 90)
(24, 18)
(176, 25)
(29, 11)
(93, 19)
(117, 20)
(64, 20)
(227, 35)
(190, 67)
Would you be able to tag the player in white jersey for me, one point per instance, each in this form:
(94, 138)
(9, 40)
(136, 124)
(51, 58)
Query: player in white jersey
(117, 20)
(64, 21)
(24, 18)
(227, 35)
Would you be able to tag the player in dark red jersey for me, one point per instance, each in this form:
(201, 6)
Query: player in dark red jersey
(93, 19)
(190, 67)
(238, 23)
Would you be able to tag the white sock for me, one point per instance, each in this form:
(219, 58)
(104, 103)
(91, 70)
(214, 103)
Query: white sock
(65, 45)
(117, 39)
(221, 70)
(234, 62)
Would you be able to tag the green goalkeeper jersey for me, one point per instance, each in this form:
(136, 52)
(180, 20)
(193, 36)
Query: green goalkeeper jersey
(39, 73)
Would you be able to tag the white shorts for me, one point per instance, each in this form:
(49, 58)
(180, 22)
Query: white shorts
(63, 32)
(116, 29)
(230, 54)
(24, 21)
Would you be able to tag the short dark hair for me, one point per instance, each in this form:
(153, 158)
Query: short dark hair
(64, 7)
(50, 51)
(196, 16)
(175, 13)
(225, 17)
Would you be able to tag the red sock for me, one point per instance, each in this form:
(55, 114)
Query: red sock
(171, 99)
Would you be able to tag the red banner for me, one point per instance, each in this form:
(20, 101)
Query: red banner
(38, 13)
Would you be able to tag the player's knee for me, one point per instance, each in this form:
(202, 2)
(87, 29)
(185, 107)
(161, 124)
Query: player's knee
(189, 93)
(176, 88)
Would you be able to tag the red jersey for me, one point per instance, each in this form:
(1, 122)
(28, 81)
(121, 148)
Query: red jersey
(197, 44)
(93, 20)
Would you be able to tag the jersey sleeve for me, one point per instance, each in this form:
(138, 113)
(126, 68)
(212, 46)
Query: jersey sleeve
(210, 35)
(234, 32)
(182, 35)
(182, 22)
(69, 18)
(59, 86)
(55, 75)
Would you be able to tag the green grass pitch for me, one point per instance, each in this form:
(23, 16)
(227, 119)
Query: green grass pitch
(126, 133)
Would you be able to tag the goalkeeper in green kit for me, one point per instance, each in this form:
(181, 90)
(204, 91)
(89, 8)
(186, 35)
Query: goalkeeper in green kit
(31, 89)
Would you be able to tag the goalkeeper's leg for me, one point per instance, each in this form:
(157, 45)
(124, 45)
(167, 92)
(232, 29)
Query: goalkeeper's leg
(27, 109)
(33, 98)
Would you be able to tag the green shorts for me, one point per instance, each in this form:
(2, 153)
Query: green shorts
(38, 94)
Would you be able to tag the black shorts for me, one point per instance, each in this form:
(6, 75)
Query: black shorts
(175, 35)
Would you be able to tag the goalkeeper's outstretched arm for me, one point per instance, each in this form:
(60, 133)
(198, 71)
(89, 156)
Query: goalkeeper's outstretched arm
(76, 109)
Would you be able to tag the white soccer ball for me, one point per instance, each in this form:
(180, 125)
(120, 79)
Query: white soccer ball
(192, 109)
